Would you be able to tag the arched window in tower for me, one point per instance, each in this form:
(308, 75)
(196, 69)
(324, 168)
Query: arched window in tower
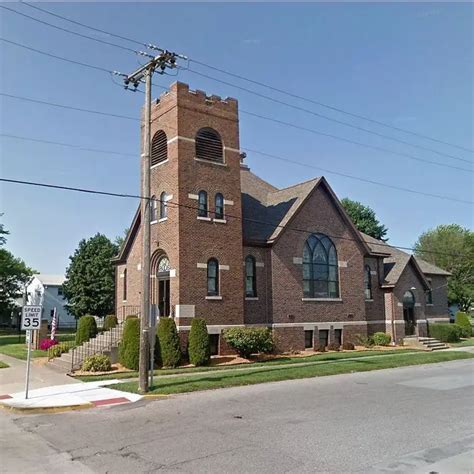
(209, 145)
(202, 204)
(250, 277)
(163, 205)
(212, 277)
(219, 206)
(320, 268)
(153, 206)
(368, 282)
(159, 148)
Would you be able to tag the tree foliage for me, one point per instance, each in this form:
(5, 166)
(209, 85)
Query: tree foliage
(168, 340)
(364, 219)
(199, 347)
(90, 286)
(14, 274)
(86, 329)
(129, 349)
(451, 247)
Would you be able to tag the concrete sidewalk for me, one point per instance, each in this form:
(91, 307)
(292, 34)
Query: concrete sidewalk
(79, 395)
(12, 379)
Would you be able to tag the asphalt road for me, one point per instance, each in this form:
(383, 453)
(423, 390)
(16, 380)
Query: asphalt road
(415, 419)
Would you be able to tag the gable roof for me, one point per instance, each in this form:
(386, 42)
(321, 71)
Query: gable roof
(50, 280)
(397, 260)
(129, 238)
(267, 210)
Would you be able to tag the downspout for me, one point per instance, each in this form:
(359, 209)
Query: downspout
(394, 336)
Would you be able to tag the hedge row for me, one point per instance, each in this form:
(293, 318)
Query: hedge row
(445, 332)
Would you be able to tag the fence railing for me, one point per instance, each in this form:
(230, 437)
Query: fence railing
(103, 342)
(127, 310)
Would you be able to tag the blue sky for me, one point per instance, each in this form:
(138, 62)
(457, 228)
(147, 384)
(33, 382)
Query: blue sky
(409, 65)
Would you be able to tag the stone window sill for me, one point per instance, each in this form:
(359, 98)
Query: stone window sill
(163, 219)
(220, 221)
(212, 298)
(251, 298)
(210, 162)
(159, 164)
(153, 222)
(429, 304)
(329, 300)
(369, 301)
(207, 219)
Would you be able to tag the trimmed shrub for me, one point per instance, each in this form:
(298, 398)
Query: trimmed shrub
(169, 347)
(348, 346)
(463, 321)
(199, 347)
(86, 329)
(364, 340)
(131, 316)
(334, 346)
(320, 348)
(445, 332)
(381, 339)
(110, 322)
(129, 349)
(247, 341)
(57, 350)
(45, 344)
(97, 363)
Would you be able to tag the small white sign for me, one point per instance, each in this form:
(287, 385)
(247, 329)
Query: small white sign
(31, 318)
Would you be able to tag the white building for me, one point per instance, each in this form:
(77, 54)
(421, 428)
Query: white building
(46, 290)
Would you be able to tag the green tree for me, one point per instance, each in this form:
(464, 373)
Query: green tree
(364, 219)
(199, 347)
(14, 274)
(90, 285)
(120, 239)
(451, 247)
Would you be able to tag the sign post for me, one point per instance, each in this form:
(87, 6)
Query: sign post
(30, 321)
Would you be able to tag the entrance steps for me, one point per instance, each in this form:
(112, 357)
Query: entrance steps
(425, 343)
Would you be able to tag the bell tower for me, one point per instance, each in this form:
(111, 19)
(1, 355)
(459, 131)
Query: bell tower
(197, 226)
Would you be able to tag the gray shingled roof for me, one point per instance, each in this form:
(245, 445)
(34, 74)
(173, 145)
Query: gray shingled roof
(271, 206)
(397, 261)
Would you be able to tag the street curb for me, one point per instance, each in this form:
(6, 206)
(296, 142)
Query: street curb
(52, 410)
(155, 396)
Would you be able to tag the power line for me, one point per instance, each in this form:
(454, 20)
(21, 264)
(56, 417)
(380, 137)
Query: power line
(69, 107)
(364, 180)
(69, 145)
(261, 84)
(357, 178)
(194, 208)
(325, 117)
(340, 122)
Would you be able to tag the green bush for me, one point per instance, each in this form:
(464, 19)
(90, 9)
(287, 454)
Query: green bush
(320, 347)
(365, 341)
(57, 350)
(97, 363)
(445, 332)
(348, 346)
(464, 322)
(168, 340)
(86, 329)
(199, 347)
(381, 339)
(129, 349)
(110, 322)
(334, 346)
(247, 341)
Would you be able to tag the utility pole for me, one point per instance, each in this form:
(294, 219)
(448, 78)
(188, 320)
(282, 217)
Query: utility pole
(157, 64)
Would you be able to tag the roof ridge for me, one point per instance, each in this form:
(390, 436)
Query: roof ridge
(299, 184)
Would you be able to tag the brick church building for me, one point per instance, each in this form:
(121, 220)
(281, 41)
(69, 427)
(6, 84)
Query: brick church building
(231, 248)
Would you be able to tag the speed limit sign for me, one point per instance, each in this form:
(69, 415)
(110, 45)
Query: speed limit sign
(30, 318)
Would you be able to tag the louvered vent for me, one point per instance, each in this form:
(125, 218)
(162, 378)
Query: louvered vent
(209, 145)
(159, 148)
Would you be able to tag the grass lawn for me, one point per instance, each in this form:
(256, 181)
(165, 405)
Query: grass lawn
(3, 365)
(463, 343)
(279, 361)
(193, 383)
(14, 345)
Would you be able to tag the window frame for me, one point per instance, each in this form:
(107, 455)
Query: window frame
(163, 205)
(219, 214)
(368, 283)
(215, 291)
(203, 206)
(320, 258)
(125, 284)
(253, 277)
(153, 206)
(206, 146)
(429, 294)
(159, 156)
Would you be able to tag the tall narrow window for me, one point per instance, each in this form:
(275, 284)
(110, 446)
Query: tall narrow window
(219, 206)
(367, 283)
(250, 277)
(163, 205)
(320, 268)
(429, 294)
(202, 204)
(125, 285)
(159, 148)
(212, 277)
(209, 145)
(153, 205)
